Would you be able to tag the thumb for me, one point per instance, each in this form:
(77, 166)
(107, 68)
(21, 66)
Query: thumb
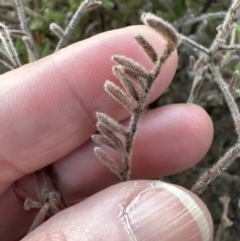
(131, 211)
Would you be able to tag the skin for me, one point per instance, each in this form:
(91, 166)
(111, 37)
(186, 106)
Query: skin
(48, 116)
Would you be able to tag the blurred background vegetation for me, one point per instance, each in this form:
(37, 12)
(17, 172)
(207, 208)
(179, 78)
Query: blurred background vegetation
(114, 14)
(120, 13)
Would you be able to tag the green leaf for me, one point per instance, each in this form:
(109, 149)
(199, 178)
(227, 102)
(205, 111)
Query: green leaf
(47, 49)
(179, 7)
(237, 67)
(108, 4)
(36, 24)
(53, 16)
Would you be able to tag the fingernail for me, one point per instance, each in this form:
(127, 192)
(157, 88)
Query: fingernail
(165, 212)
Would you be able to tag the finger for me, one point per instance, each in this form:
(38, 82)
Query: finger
(15, 221)
(137, 210)
(48, 107)
(169, 139)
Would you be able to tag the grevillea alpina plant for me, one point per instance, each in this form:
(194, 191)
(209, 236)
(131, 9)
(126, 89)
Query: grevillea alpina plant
(137, 82)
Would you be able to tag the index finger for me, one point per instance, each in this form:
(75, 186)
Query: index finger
(48, 107)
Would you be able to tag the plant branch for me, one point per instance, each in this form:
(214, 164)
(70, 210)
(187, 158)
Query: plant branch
(8, 46)
(228, 158)
(203, 17)
(65, 35)
(32, 52)
(136, 105)
(228, 97)
(226, 27)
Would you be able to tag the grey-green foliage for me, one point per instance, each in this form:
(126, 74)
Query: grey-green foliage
(114, 14)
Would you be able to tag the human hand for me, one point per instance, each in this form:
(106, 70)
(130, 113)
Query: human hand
(48, 116)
